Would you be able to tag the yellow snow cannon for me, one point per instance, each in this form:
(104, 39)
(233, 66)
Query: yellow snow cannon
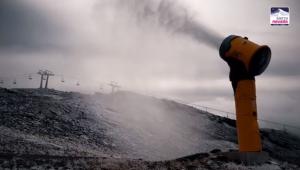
(246, 60)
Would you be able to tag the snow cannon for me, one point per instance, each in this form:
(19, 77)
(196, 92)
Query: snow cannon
(246, 60)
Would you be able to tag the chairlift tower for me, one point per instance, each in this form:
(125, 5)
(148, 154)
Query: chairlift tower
(114, 86)
(41, 72)
(48, 74)
(45, 74)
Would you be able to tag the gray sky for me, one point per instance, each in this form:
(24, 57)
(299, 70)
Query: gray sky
(96, 41)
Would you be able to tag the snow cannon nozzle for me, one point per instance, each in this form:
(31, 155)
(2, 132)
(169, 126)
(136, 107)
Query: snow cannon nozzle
(240, 53)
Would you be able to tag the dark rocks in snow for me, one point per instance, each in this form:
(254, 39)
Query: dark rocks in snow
(193, 157)
(215, 151)
(281, 145)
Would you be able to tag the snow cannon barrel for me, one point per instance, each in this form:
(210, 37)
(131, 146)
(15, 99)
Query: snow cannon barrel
(239, 52)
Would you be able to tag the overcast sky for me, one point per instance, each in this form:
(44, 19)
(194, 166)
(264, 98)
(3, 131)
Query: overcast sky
(149, 50)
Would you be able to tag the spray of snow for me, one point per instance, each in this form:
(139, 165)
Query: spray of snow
(171, 16)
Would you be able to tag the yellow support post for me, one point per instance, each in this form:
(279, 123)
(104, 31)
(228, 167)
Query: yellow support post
(246, 117)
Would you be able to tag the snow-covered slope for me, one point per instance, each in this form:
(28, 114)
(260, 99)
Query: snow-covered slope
(53, 123)
(122, 125)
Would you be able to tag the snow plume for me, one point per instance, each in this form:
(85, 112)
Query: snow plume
(171, 16)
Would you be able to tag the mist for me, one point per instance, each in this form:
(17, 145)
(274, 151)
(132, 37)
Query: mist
(158, 128)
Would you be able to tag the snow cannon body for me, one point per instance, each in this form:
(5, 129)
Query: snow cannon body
(246, 60)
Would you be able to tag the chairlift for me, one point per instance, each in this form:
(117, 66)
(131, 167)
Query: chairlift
(62, 80)
(29, 77)
(1, 82)
(77, 84)
(15, 82)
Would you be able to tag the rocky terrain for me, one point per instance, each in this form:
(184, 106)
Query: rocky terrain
(125, 130)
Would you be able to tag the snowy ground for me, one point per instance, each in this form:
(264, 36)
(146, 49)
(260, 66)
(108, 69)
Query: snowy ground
(195, 162)
(120, 131)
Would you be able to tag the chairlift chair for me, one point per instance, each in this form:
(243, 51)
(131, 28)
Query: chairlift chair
(15, 82)
(77, 84)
